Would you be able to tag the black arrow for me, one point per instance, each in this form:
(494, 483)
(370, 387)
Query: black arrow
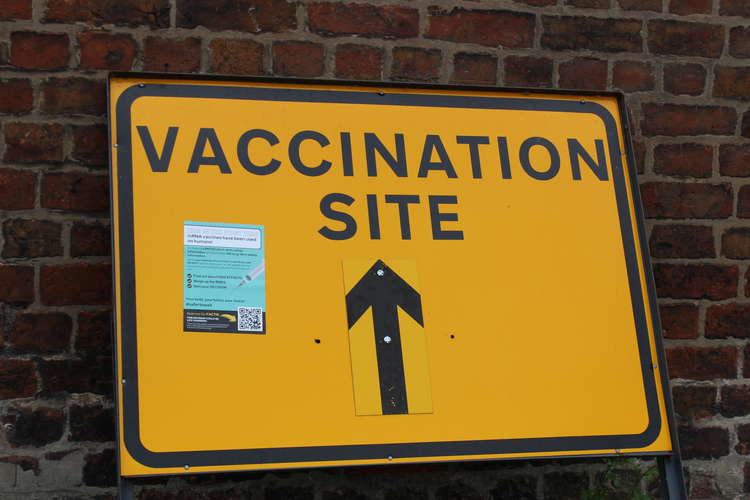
(385, 291)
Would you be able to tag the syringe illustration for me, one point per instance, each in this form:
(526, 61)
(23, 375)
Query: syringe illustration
(254, 273)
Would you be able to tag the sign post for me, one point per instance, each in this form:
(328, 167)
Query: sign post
(319, 274)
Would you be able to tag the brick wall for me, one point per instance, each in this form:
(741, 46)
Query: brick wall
(682, 63)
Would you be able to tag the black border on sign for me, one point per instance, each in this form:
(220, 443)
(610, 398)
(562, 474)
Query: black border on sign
(125, 296)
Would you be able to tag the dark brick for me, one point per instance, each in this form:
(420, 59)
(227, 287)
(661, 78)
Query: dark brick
(694, 402)
(653, 5)
(684, 160)
(732, 82)
(743, 204)
(343, 494)
(17, 378)
(105, 51)
(16, 96)
(415, 64)
(237, 57)
(565, 485)
(90, 145)
(41, 332)
(734, 8)
(32, 238)
(39, 51)
(705, 443)
(588, 4)
(685, 200)
(633, 76)
(591, 33)
(90, 239)
(682, 38)
(696, 281)
(290, 493)
(682, 119)
(153, 13)
(583, 73)
(16, 284)
(688, 7)
(735, 243)
(728, 320)
(91, 423)
(17, 189)
(75, 284)
(33, 142)
(704, 486)
(457, 490)
(684, 79)
(739, 41)
(494, 28)
(75, 191)
(743, 440)
(250, 16)
(167, 54)
(745, 127)
(66, 376)
(702, 363)
(528, 71)
(94, 331)
(679, 321)
(405, 493)
(99, 469)
(515, 488)
(677, 241)
(15, 9)
(477, 69)
(735, 400)
(37, 427)
(734, 160)
(302, 59)
(639, 152)
(359, 62)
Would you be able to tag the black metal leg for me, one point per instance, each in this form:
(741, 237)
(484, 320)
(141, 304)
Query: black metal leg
(672, 480)
(126, 489)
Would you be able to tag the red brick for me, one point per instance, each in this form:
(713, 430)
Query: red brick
(494, 28)
(251, 16)
(387, 21)
(40, 51)
(105, 51)
(583, 73)
(702, 363)
(683, 160)
(17, 379)
(682, 38)
(703, 485)
(303, 59)
(704, 443)
(747, 283)
(17, 189)
(588, 4)
(93, 336)
(167, 54)
(477, 69)
(694, 402)
(79, 96)
(591, 33)
(528, 71)
(639, 152)
(743, 444)
(90, 145)
(688, 7)
(75, 191)
(415, 64)
(728, 320)
(735, 400)
(732, 82)
(682, 242)
(696, 281)
(237, 57)
(683, 119)
(16, 284)
(734, 8)
(16, 96)
(76, 284)
(41, 332)
(359, 62)
(152, 13)
(633, 76)
(735, 243)
(743, 204)
(89, 239)
(15, 9)
(31, 238)
(679, 321)
(75, 376)
(653, 5)
(33, 143)
(684, 200)
(684, 79)
(739, 41)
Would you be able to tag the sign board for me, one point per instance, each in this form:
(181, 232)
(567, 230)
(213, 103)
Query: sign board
(313, 274)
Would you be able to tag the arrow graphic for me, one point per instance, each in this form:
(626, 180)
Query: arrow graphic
(381, 289)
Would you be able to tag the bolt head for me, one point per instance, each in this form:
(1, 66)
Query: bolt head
(387, 339)
(380, 272)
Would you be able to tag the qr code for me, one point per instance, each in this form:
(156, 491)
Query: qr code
(250, 319)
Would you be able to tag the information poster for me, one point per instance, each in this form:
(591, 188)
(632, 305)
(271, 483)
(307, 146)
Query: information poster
(224, 278)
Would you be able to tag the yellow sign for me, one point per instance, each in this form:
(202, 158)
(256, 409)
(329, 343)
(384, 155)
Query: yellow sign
(320, 274)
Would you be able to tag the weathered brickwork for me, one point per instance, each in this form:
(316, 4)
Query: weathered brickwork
(684, 66)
